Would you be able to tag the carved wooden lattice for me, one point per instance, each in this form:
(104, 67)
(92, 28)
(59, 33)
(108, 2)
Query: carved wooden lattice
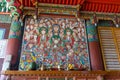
(110, 46)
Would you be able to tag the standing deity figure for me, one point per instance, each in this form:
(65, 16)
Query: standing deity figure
(55, 38)
(42, 38)
(68, 37)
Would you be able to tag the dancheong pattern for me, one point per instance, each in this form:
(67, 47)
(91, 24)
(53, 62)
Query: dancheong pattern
(55, 41)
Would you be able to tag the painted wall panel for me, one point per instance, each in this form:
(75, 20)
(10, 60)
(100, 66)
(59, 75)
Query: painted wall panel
(55, 42)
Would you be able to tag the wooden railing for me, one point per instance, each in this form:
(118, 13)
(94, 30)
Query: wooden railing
(62, 75)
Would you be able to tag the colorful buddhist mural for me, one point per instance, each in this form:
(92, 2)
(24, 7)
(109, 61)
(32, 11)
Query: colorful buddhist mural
(55, 42)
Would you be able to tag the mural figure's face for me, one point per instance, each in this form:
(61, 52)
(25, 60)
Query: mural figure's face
(43, 32)
(30, 45)
(68, 33)
(31, 27)
(56, 28)
(71, 51)
(68, 46)
(48, 23)
(40, 25)
(44, 24)
(41, 46)
(56, 41)
(32, 21)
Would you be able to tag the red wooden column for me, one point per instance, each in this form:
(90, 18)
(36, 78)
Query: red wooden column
(94, 48)
(14, 40)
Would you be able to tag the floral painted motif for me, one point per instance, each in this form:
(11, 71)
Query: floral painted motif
(53, 42)
(15, 30)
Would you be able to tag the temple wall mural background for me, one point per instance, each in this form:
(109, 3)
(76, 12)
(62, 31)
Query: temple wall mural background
(55, 42)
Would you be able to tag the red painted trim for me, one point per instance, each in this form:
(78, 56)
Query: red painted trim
(99, 8)
(74, 2)
(117, 2)
(29, 3)
(67, 1)
(71, 2)
(96, 7)
(59, 1)
(119, 9)
(63, 1)
(43, 1)
(21, 1)
(39, 0)
(78, 2)
(111, 6)
(112, 10)
(26, 3)
(48, 1)
(52, 1)
(103, 7)
(93, 7)
(116, 8)
(87, 5)
(82, 1)
(55, 1)
(57, 15)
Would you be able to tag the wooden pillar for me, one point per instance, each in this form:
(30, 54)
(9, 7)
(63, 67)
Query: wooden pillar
(14, 40)
(94, 48)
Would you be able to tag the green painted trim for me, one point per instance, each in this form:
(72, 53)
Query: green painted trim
(14, 36)
(91, 31)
